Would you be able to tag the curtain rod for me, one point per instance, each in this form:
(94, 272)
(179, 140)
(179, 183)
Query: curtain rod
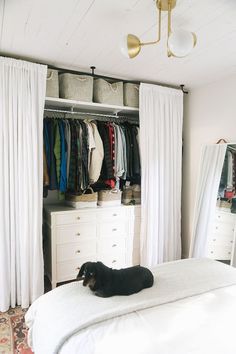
(32, 60)
(88, 113)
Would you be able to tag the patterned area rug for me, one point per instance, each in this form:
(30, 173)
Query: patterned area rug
(13, 332)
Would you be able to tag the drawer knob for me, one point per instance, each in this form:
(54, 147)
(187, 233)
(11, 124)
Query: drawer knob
(78, 217)
(114, 245)
(216, 227)
(78, 268)
(212, 252)
(231, 241)
(114, 261)
(229, 252)
(115, 214)
(78, 251)
(78, 234)
(214, 239)
(114, 229)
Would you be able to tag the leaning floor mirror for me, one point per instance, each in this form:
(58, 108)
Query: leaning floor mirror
(214, 224)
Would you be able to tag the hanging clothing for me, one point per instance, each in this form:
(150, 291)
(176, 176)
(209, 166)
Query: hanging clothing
(107, 168)
(49, 140)
(57, 151)
(230, 170)
(135, 153)
(96, 157)
(73, 170)
(80, 153)
(68, 146)
(63, 172)
(119, 153)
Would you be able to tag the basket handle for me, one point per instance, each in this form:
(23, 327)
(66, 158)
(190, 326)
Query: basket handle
(114, 86)
(89, 188)
(49, 77)
(114, 190)
(81, 78)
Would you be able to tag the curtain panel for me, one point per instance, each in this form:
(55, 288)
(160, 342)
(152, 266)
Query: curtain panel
(22, 97)
(161, 120)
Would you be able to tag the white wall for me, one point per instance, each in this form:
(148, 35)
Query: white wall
(210, 114)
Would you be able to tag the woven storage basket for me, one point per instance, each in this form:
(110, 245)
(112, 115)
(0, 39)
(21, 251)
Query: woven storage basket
(127, 195)
(104, 92)
(136, 193)
(76, 87)
(109, 197)
(52, 87)
(225, 204)
(85, 200)
(131, 95)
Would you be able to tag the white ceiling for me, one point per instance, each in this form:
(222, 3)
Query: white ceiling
(79, 33)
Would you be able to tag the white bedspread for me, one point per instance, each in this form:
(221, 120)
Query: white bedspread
(63, 319)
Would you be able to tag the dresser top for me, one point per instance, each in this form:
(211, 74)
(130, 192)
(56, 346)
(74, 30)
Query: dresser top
(58, 208)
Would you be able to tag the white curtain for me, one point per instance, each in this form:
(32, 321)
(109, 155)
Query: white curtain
(161, 118)
(22, 96)
(211, 165)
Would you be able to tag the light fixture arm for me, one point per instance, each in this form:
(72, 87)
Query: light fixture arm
(158, 30)
(169, 54)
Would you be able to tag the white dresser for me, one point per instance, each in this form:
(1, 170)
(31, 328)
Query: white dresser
(221, 241)
(72, 237)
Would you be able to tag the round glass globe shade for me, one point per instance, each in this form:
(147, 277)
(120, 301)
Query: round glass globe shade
(180, 43)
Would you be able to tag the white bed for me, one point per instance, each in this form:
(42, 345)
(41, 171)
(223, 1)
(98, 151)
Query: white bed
(191, 309)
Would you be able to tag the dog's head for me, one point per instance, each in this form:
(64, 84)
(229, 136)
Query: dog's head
(89, 274)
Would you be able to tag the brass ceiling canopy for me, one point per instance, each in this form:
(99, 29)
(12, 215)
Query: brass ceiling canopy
(179, 42)
(165, 4)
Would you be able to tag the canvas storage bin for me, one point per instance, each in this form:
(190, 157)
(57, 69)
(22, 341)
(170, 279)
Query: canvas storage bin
(76, 87)
(104, 92)
(127, 195)
(224, 204)
(52, 86)
(86, 200)
(109, 197)
(136, 189)
(131, 95)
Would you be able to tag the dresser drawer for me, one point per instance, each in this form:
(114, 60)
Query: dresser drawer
(69, 251)
(219, 252)
(221, 240)
(223, 228)
(75, 217)
(111, 244)
(74, 233)
(228, 218)
(110, 214)
(68, 270)
(116, 261)
(116, 228)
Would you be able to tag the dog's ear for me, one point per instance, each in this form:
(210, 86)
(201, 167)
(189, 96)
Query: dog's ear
(81, 271)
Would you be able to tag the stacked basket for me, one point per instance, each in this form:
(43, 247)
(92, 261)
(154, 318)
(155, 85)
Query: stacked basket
(84, 88)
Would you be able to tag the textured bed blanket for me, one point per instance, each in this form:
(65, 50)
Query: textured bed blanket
(56, 316)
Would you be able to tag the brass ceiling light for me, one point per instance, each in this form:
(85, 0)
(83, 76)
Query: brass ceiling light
(179, 43)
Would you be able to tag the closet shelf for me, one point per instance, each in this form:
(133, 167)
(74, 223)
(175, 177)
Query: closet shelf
(60, 103)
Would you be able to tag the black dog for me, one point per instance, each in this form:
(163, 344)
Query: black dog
(107, 282)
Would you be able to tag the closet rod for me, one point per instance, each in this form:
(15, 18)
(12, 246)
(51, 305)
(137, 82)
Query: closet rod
(64, 70)
(89, 113)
